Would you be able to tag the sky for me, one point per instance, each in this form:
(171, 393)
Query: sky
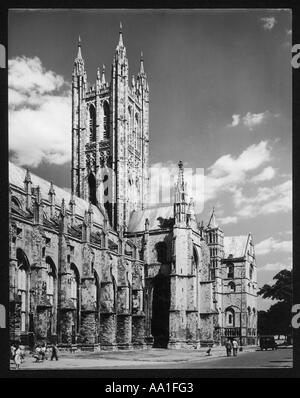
(220, 100)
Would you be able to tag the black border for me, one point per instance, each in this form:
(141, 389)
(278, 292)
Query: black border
(186, 375)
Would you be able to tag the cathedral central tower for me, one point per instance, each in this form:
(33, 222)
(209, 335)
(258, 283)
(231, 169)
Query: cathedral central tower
(110, 137)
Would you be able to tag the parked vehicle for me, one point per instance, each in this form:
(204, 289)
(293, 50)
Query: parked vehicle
(266, 342)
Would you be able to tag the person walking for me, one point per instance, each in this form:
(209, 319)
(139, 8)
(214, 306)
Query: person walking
(228, 346)
(235, 347)
(54, 352)
(18, 358)
(12, 352)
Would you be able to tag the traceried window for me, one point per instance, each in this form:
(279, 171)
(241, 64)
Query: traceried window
(230, 317)
(251, 271)
(231, 287)
(230, 269)
(106, 121)
(23, 287)
(51, 277)
(92, 113)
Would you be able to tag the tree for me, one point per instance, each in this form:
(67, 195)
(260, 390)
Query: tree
(281, 290)
(278, 317)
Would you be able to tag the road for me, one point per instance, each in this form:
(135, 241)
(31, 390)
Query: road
(164, 359)
(256, 359)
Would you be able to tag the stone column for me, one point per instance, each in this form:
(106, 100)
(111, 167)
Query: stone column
(88, 328)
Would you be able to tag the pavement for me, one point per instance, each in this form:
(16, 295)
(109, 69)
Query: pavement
(156, 358)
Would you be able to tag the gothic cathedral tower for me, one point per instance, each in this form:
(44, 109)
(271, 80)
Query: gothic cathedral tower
(110, 137)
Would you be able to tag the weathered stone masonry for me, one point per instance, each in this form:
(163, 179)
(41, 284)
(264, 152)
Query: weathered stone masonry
(97, 267)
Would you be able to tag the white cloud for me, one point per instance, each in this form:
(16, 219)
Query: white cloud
(228, 220)
(235, 121)
(271, 245)
(39, 113)
(251, 120)
(268, 22)
(229, 172)
(267, 174)
(275, 267)
(266, 201)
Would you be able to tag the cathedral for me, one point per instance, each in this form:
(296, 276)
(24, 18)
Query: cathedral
(97, 268)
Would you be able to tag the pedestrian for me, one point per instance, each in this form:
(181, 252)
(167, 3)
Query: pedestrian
(54, 352)
(18, 357)
(12, 352)
(235, 347)
(43, 352)
(228, 346)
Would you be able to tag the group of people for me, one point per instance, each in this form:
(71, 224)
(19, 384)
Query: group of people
(231, 346)
(41, 352)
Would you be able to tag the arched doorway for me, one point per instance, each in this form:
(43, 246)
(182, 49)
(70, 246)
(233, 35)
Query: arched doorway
(160, 310)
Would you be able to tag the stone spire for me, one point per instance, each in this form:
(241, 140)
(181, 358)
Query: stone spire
(51, 189)
(27, 177)
(51, 196)
(63, 208)
(27, 188)
(79, 56)
(120, 44)
(142, 71)
(79, 62)
(180, 205)
(212, 221)
(103, 80)
(180, 186)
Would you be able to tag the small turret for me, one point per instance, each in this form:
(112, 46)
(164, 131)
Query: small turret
(51, 196)
(27, 188)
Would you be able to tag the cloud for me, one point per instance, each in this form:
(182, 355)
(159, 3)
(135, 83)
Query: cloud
(229, 172)
(266, 200)
(271, 245)
(250, 120)
(268, 22)
(228, 220)
(39, 113)
(235, 121)
(267, 174)
(275, 267)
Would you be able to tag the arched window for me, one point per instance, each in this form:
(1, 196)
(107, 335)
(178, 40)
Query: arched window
(92, 189)
(51, 280)
(23, 287)
(231, 287)
(195, 259)
(92, 113)
(230, 317)
(106, 121)
(251, 271)
(230, 273)
(15, 202)
(74, 293)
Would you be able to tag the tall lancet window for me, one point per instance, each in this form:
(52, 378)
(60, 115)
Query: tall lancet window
(23, 287)
(92, 189)
(106, 121)
(92, 123)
